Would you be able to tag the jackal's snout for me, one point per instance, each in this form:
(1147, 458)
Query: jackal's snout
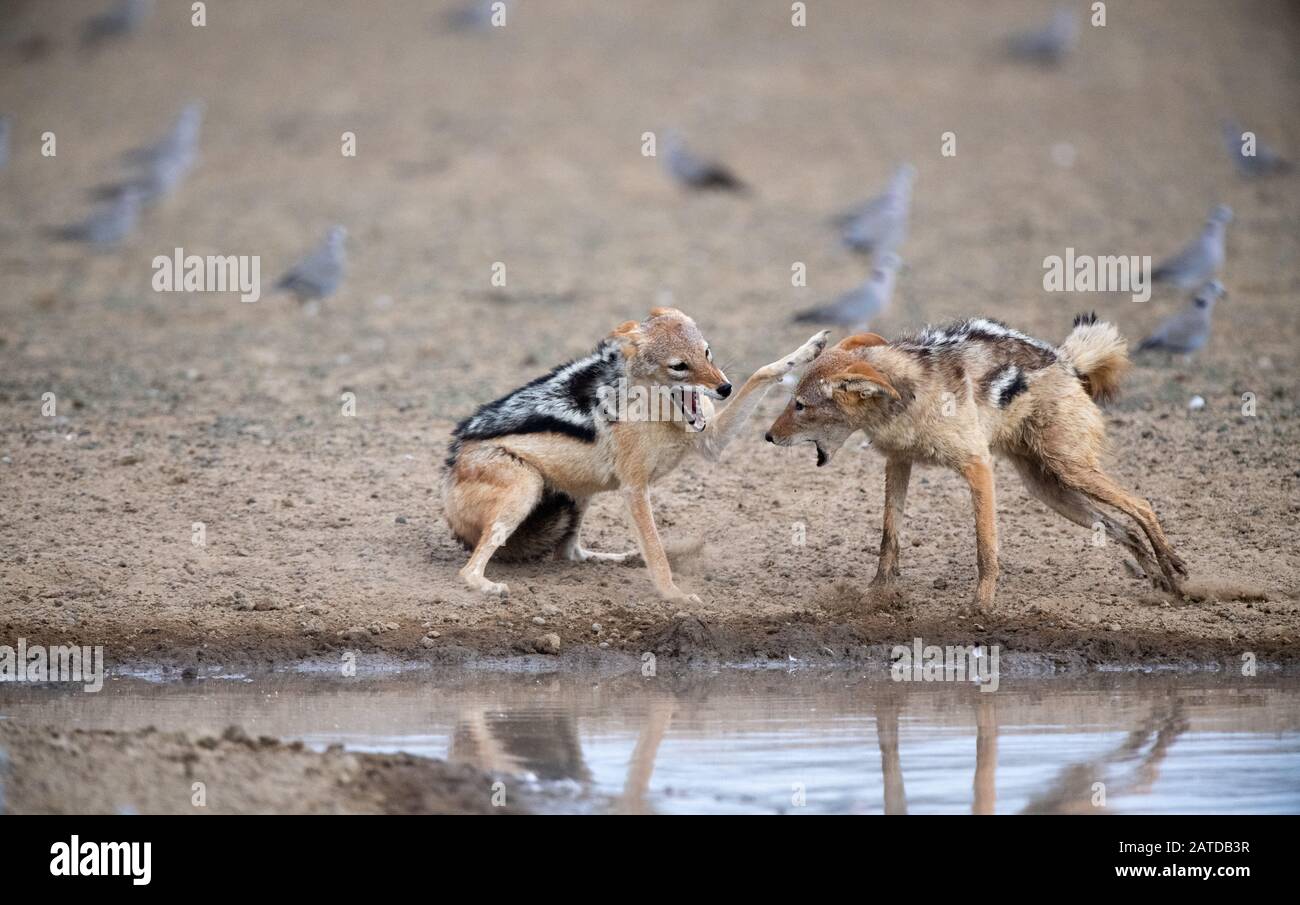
(825, 406)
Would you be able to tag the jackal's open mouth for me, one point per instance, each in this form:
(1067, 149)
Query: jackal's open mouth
(688, 402)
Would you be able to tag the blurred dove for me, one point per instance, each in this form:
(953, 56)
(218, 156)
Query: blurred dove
(881, 223)
(696, 172)
(109, 224)
(6, 127)
(858, 307)
(164, 175)
(319, 274)
(1202, 258)
(1264, 162)
(124, 18)
(157, 169)
(181, 139)
(475, 14)
(155, 180)
(1188, 330)
(1050, 44)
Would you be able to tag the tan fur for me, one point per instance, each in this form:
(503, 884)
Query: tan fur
(494, 485)
(934, 409)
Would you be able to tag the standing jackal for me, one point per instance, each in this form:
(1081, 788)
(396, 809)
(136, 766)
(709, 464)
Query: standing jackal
(521, 469)
(954, 396)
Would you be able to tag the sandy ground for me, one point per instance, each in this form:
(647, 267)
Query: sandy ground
(522, 145)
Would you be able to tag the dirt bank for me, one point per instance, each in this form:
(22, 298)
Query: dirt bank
(55, 771)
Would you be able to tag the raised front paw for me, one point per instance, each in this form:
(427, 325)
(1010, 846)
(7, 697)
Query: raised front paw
(798, 358)
(808, 351)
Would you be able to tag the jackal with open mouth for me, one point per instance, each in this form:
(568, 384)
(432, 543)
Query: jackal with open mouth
(520, 470)
(955, 396)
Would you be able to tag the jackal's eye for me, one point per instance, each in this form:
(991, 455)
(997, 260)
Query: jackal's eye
(678, 367)
(798, 406)
(708, 353)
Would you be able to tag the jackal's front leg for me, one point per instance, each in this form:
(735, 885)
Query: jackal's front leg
(652, 548)
(979, 475)
(728, 422)
(898, 473)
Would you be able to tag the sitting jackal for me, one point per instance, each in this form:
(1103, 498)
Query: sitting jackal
(521, 469)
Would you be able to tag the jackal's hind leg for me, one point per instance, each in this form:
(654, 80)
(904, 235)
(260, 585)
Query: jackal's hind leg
(1098, 485)
(1048, 489)
(500, 506)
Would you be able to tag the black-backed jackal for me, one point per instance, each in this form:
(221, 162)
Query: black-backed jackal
(521, 469)
(957, 395)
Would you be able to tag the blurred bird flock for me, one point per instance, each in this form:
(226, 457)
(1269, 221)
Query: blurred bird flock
(875, 228)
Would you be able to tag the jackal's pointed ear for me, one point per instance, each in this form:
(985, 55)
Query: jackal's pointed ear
(860, 378)
(860, 341)
(630, 335)
(666, 312)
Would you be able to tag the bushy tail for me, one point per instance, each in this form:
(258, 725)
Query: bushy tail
(1099, 354)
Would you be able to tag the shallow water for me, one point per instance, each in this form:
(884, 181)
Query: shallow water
(762, 741)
